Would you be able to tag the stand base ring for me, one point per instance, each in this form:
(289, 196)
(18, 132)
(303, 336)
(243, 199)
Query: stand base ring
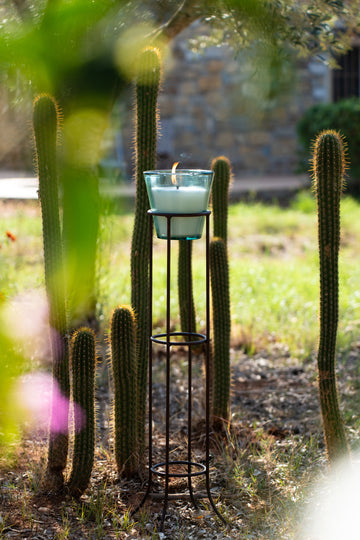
(201, 469)
(201, 338)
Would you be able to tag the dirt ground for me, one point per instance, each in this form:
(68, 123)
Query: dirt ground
(269, 389)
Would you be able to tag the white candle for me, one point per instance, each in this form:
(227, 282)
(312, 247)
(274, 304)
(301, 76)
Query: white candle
(180, 199)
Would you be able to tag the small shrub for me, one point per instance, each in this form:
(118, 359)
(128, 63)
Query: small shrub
(343, 116)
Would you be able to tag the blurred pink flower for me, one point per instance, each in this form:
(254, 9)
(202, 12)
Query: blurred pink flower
(43, 403)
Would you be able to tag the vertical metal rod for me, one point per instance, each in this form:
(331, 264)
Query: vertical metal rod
(150, 347)
(167, 411)
(190, 329)
(207, 361)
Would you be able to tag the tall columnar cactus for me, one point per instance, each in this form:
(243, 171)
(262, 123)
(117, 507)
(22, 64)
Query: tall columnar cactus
(219, 273)
(185, 292)
(123, 363)
(83, 364)
(220, 196)
(147, 88)
(328, 172)
(220, 290)
(46, 125)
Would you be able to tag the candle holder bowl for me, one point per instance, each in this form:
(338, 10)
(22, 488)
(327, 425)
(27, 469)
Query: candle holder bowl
(185, 192)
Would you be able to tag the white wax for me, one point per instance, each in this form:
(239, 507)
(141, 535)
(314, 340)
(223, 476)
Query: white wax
(182, 199)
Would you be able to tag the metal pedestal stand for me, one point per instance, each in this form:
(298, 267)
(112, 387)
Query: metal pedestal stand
(173, 339)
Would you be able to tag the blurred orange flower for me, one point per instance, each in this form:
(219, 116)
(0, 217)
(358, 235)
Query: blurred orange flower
(11, 236)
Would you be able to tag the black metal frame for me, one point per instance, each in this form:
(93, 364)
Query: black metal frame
(190, 338)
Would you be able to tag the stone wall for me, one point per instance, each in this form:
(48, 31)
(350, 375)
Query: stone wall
(209, 105)
(16, 151)
(206, 110)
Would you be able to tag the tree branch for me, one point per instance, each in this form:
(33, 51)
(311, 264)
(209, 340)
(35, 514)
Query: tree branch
(188, 12)
(22, 8)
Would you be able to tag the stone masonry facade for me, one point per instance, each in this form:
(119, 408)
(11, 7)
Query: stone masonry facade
(208, 107)
(205, 112)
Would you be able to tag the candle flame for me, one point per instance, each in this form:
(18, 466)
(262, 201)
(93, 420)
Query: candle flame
(173, 175)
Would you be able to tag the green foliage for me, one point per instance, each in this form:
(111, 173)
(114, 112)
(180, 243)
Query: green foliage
(123, 363)
(57, 42)
(309, 27)
(45, 124)
(303, 202)
(219, 272)
(147, 88)
(328, 169)
(81, 214)
(12, 365)
(83, 364)
(343, 116)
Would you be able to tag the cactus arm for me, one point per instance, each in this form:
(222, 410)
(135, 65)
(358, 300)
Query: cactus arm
(220, 195)
(219, 272)
(123, 364)
(83, 363)
(186, 297)
(45, 125)
(328, 170)
(220, 293)
(147, 88)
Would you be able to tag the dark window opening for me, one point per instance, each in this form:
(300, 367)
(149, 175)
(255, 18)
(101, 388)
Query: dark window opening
(346, 79)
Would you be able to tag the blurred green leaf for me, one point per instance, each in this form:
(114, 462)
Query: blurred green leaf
(11, 366)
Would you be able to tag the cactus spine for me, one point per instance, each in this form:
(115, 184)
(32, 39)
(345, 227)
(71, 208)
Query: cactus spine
(220, 292)
(328, 172)
(147, 88)
(219, 272)
(45, 125)
(123, 363)
(83, 363)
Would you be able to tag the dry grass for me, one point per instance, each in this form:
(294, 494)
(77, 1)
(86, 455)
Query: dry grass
(260, 470)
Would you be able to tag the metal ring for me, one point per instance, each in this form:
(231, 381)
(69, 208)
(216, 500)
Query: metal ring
(200, 466)
(179, 214)
(202, 338)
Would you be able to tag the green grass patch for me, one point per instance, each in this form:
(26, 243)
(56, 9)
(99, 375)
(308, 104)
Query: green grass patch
(273, 265)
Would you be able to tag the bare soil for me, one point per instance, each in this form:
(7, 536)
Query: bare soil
(271, 392)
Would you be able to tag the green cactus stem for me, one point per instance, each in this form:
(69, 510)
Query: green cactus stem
(185, 287)
(328, 172)
(123, 363)
(46, 125)
(147, 88)
(220, 196)
(83, 364)
(219, 273)
(220, 353)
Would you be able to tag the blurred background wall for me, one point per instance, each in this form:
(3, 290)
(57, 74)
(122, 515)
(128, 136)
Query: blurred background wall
(211, 103)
